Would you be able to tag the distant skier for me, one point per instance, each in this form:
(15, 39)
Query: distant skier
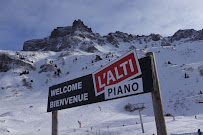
(79, 122)
(199, 132)
(99, 108)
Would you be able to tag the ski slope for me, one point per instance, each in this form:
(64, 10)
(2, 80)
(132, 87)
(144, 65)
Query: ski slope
(23, 98)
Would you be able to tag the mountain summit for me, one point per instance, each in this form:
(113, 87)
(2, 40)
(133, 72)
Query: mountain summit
(80, 37)
(65, 31)
(64, 38)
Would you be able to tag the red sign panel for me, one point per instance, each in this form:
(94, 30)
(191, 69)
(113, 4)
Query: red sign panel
(127, 66)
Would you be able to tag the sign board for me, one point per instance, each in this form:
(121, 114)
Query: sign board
(125, 67)
(125, 76)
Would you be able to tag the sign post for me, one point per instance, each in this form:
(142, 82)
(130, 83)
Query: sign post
(157, 100)
(55, 123)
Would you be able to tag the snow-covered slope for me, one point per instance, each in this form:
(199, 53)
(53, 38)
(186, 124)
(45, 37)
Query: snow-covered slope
(27, 75)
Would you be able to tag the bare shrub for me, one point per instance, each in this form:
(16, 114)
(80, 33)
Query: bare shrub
(24, 72)
(200, 68)
(27, 84)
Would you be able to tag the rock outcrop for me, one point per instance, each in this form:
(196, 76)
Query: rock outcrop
(65, 38)
(188, 34)
(7, 63)
(79, 36)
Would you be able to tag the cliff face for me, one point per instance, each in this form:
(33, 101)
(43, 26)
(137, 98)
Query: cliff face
(79, 36)
(7, 62)
(188, 34)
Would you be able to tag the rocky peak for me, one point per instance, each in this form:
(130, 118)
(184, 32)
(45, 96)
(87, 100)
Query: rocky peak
(155, 37)
(66, 38)
(79, 36)
(79, 25)
(200, 35)
(115, 38)
(183, 34)
(61, 31)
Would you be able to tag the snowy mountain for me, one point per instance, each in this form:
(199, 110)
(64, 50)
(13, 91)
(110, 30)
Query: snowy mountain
(74, 51)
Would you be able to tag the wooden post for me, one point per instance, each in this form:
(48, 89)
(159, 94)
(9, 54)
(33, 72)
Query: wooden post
(156, 98)
(55, 123)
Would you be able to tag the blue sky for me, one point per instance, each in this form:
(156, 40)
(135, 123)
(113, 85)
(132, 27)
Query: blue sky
(22, 20)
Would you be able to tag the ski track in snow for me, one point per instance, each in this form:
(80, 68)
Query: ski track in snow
(23, 110)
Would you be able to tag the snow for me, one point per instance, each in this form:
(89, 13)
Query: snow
(23, 109)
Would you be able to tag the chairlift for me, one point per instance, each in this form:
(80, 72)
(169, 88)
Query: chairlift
(138, 106)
